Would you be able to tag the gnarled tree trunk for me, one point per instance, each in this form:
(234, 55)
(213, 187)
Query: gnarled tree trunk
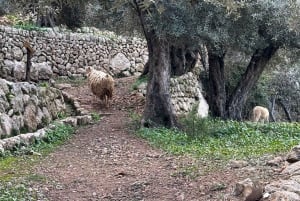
(158, 109)
(254, 70)
(217, 92)
(286, 110)
(183, 60)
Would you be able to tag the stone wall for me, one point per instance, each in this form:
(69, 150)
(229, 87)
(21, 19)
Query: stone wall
(67, 53)
(26, 107)
(186, 95)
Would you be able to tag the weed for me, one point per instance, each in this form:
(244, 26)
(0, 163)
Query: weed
(20, 192)
(61, 115)
(196, 128)
(9, 97)
(57, 136)
(135, 122)
(95, 116)
(139, 81)
(44, 84)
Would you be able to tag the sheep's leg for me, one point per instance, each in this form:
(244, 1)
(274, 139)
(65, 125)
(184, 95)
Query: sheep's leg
(106, 101)
(257, 118)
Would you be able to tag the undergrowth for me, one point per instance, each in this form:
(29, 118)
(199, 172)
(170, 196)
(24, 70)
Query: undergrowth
(15, 167)
(139, 81)
(224, 140)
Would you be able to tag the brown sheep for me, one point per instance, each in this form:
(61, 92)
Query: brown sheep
(101, 84)
(260, 113)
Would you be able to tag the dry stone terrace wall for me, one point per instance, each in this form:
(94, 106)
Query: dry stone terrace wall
(186, 94)
(68, 54)
(61, 54)
(26, 107)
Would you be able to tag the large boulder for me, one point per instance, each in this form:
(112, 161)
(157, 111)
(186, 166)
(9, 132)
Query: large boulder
(119, 63)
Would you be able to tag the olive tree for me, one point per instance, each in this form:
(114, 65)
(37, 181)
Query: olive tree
(256, 28)
(50, 13)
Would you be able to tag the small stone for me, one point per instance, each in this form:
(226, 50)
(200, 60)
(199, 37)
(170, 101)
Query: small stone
(238, 163)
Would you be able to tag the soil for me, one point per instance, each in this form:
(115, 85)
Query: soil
(106, 161)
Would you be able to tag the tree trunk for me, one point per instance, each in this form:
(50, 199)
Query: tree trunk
(286, 110)
(217, 92)
(183, 60)
(158, 109)
(30, 52)
(273, 109)
(254, 70)
(147, 35)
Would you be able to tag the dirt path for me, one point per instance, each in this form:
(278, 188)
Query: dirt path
(106, 162)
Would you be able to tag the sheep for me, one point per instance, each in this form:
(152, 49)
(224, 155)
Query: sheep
(101, 84)
(260, 113)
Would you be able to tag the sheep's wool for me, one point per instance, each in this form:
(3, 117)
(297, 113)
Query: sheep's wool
(101, 84)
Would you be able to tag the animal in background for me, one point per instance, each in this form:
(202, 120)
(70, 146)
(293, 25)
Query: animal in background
(101, 84)
(260, 113)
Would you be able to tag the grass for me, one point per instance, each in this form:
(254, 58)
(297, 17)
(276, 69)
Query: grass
(138, 82)
(55, 137)
(225, 140)
(16, 175)
(28, 27)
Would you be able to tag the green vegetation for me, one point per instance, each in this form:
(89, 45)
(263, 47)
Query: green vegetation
(44, 84)
(20, 192)
(20, 23)
(28, 27)
(224, 140)
(135, 122)
(139, 81)
(15, 167)
(55, 137)
(95, 117)
(61, 115)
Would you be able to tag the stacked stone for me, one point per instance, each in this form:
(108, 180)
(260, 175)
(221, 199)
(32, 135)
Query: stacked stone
(184, 92)
(25, 107)
(65, 53)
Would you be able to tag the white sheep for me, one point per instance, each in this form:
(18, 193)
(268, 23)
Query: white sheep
(260, 113)
(101, 84)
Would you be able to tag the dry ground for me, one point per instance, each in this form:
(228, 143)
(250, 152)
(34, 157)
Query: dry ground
(107, 162)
